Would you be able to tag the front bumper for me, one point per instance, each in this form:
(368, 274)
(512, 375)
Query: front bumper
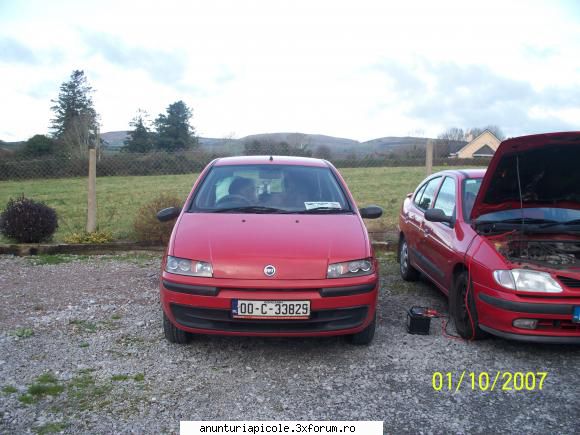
(203, 306)
(497, 311)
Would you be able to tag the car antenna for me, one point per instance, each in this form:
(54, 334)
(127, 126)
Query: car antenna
(520, 193)
(271, 158)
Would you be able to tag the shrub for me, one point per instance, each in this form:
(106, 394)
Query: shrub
(147, 227)
(90, 238)
(28, 221)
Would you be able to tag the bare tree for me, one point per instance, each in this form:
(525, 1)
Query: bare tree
(447, 142)
(452, 134)
(476, 131)
(79, 135)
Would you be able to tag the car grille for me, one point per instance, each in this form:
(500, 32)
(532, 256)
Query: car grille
(563, 325)
(569, 282)
(221, 320)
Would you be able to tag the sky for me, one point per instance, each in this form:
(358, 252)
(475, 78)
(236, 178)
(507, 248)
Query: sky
(355, 69)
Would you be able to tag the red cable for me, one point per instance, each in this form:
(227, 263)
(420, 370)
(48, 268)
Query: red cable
(444, 331)
(468, 288)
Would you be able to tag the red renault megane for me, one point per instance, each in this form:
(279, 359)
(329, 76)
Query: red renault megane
(505, 246)
(269, 246)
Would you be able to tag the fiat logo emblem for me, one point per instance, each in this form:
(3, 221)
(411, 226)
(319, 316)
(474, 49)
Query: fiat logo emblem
(269, 270)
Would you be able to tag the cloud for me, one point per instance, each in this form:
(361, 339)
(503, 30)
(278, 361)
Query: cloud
(43, 90)
(542, 53)
(165, 67)
(13, 51)
(449, 94)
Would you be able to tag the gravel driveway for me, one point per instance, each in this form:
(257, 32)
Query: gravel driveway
(82, 351)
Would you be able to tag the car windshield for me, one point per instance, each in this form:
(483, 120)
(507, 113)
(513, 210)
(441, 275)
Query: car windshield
(470, 188)
(270, 189)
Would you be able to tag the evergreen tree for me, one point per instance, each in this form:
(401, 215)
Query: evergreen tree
(38, 145)
(75, 123)
(174, 131)
(140, 139)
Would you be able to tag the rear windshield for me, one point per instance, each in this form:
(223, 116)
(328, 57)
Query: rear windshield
(270, 188)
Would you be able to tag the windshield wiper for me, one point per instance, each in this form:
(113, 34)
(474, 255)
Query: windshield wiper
(324, 210)
(556, 224)
(250, 209)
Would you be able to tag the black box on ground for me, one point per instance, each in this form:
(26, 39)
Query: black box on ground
(417, 321)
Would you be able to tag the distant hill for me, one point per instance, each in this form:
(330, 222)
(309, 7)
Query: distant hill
(338, 145)
(114, 139)
(390, 142)
(11, 146)
(300, 139)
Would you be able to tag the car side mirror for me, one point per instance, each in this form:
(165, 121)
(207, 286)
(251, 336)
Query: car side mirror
(371, 212)
(168, 214)
(437, 215)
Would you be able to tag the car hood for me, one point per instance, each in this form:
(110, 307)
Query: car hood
(299, 246)
(549, 174)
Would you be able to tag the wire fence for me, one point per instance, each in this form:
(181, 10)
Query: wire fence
(164, 163)
(132, 186)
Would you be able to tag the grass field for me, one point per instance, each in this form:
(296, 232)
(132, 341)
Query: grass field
(119, 198)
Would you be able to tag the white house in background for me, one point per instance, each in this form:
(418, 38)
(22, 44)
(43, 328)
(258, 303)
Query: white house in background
(484, 145)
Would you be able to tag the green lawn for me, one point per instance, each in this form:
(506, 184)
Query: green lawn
(119, 198)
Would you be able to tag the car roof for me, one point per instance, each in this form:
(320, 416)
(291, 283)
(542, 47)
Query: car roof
(270, 160)
(463, 173)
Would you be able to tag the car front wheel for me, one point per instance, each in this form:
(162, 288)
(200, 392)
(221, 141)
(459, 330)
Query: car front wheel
(366, 335)
(462, 309)
(408, 272)
(173, 334)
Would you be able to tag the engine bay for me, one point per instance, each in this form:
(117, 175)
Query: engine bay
(548, 253)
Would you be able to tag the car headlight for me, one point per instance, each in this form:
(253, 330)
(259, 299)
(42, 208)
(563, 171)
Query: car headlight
(350, 268)
(183, 266)
(524, 280)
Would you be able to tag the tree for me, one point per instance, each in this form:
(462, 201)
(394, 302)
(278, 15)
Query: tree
(140, 139)
(448, 142)
(476, 131)
(75, 123)
(173, 129)
(323, 152)
(268, 147)
(495, 130)
(38, 145)
(452, 134)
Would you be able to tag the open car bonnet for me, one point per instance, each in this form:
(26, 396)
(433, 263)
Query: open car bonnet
(549, 174)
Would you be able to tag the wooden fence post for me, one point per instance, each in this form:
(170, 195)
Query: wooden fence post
(92, 192)
(429, 157)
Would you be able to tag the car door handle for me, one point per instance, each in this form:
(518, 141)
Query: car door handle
(426, 231)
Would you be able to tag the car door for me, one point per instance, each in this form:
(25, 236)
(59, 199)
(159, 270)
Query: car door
(439, 237)
(422, 200)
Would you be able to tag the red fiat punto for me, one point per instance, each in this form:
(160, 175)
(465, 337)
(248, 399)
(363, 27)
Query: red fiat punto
(269, 246)
(504, 246)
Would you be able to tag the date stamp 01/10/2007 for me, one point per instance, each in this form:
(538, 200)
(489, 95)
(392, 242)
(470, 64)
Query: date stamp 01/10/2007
(488, 381)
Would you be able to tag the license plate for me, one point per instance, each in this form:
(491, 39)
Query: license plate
(280, 310)
(576, 315)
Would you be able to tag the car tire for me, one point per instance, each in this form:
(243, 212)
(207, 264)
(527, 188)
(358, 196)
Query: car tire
(466, 328)
(173, 334)
(365, 337)
(408, 272)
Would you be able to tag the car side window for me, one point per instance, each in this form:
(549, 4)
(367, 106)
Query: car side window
(446, 197)
(426, 198)
(419, 194)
